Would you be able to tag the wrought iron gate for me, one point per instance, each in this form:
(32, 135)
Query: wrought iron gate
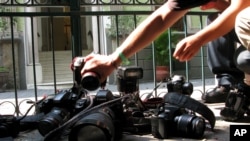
(31, 28)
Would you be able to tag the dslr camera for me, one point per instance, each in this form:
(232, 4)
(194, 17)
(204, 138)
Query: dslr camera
(102, 122)
(171, 120)
(59, 108)
(175, 120)
(236, 106)
(65, 104)
(11, 126)
(8, 126)
(178, 83)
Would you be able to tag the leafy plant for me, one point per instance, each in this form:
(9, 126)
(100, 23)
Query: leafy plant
(161, 45)
(5, 21)
(3, 69)
(125, 25)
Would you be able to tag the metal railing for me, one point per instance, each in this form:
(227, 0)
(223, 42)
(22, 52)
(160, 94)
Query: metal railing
(80, 2)
(22, 45)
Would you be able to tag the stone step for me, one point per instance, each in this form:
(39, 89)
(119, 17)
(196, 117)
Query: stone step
(62, 66)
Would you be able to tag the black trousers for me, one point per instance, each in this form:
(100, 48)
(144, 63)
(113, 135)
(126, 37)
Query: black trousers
(220, 54)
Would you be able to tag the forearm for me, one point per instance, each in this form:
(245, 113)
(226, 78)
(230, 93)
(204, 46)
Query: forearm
(221, 5)
(147, 31)
(222, 25)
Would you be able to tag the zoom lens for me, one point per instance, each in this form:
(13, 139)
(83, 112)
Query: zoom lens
(190, 126)
(52, 120)
(94, 127)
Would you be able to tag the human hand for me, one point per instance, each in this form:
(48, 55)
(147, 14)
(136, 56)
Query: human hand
(209, 5)
(187, 48)
(99, 64)
(219, 5)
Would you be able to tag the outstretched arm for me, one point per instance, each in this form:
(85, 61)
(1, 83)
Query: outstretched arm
(148, 30)
(143, 35)
(189, 46)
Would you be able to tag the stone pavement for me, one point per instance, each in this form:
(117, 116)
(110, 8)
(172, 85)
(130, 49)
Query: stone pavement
(221, 132)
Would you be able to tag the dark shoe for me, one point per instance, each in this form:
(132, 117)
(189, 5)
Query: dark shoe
(216, 95)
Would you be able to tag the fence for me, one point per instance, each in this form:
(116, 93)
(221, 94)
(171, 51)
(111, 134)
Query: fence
(36, 30)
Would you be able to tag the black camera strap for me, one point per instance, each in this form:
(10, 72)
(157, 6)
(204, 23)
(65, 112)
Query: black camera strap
(192, 104)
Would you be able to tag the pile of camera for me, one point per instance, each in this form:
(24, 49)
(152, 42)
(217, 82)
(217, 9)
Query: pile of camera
(105, 116)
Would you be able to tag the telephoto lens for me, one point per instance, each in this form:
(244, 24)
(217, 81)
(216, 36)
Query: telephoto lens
(53, 120)
(97, 126)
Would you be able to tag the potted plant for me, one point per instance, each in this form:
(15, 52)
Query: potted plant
(161, 45)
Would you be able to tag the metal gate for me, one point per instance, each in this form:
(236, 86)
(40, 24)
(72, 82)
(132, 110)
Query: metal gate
(39, 38)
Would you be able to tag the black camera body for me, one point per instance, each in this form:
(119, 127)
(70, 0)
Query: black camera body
(236, 106)
(62, 106)
(178, 83)
(175, 120)
(59, 108)
(89, 80)
(9, 126)
(171, 120)
(104, 122)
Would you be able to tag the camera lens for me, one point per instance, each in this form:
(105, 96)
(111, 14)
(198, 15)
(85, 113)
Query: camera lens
(90, 81)
(52, 120)
(94, 127)
(8, 126)
(189, 125)
(94, 134)
(187, 88)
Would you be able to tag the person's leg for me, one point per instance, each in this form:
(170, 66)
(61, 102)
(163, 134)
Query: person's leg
(238, 101)
(242, 27)
(242, 57)
(220, 61)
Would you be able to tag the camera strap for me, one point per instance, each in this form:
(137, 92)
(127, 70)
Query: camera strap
(192, 104)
